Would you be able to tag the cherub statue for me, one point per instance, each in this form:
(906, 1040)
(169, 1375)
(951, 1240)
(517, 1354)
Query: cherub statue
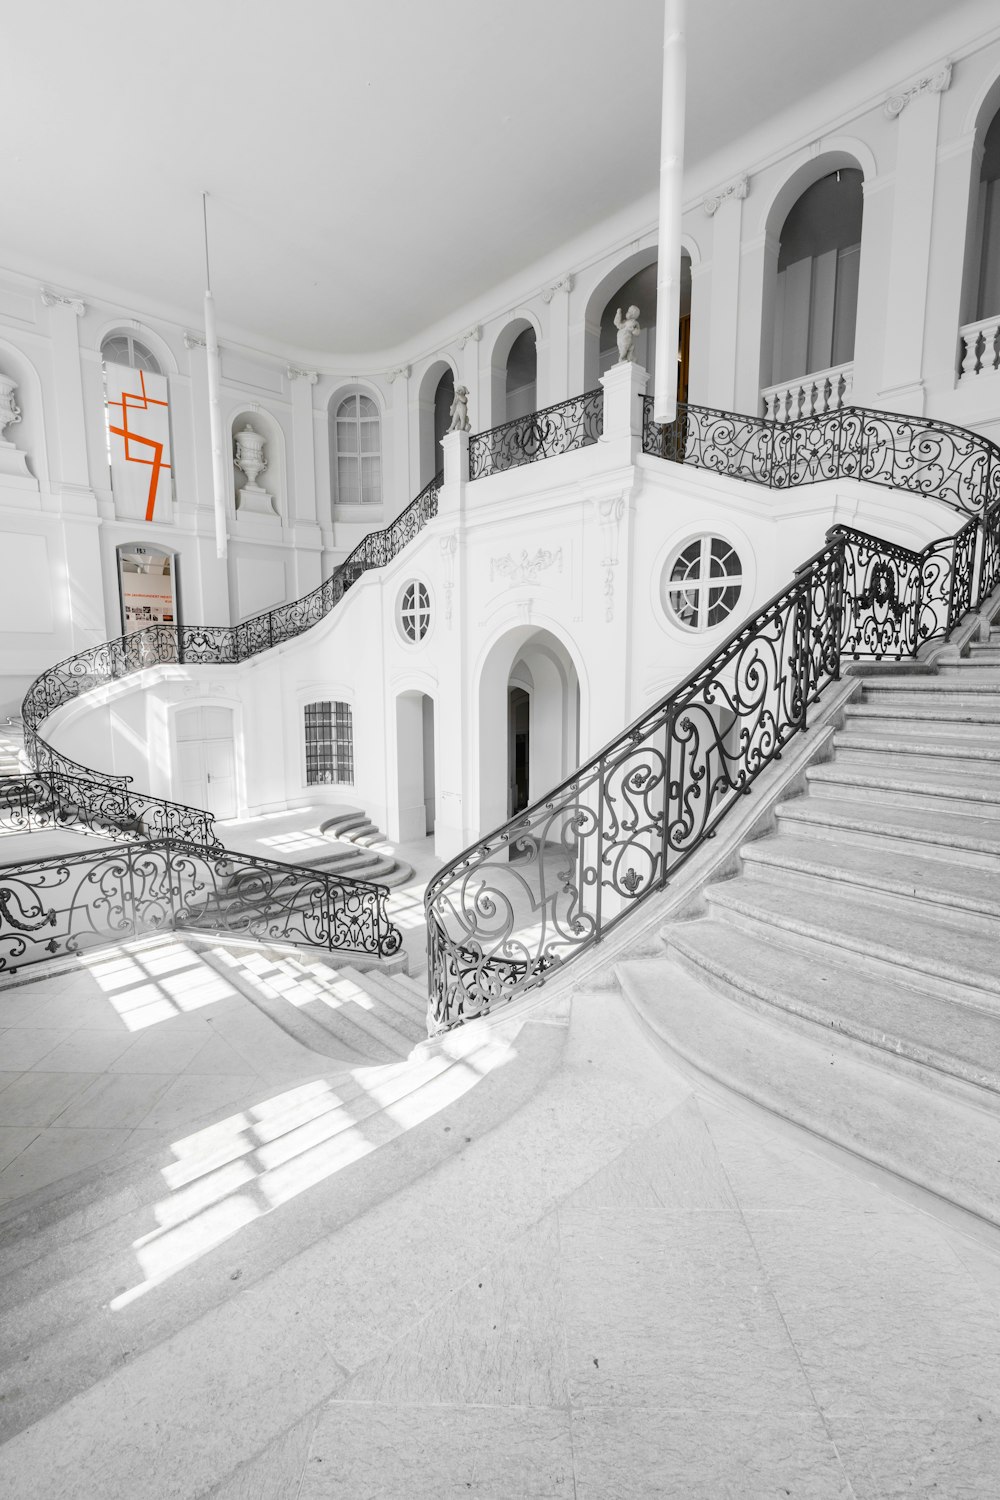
(460, 410)
(628, 333)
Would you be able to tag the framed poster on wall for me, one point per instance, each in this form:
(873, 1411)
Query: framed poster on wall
(147, 584)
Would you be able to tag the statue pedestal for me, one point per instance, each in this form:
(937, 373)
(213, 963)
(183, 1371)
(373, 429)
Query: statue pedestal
(14, 464)
(253, 501)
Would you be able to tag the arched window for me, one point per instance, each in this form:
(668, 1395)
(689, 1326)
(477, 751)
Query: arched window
(357, 440)
(329, 735)
(988, 298)
(125, 349)
(817, 291)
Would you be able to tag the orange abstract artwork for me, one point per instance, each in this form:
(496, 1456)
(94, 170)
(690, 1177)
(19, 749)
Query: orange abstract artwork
(130, 403)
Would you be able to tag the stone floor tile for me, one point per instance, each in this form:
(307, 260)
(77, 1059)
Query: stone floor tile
(673, 1166)
(37, 1098)
(161, 1049)
(497, 1341)
(21, 1047)
(85, 1051)
(692, 1453)
(115, 1100)
(880, 1310)
(194, 1095)
(217, 1056)
(13, 1141)
(949, 1451)
(672, 1309)
(439, 1453)
(275, 1473)
(54, 1154)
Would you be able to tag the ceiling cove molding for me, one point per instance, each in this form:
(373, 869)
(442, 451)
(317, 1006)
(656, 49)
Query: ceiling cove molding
(738, 188)
(931, 83)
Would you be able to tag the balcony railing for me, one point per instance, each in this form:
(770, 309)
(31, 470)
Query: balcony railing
(811, 396)
(556, 429)
(980, 351)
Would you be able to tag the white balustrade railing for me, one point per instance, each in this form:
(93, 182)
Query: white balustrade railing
(980, 347)
(810, 395)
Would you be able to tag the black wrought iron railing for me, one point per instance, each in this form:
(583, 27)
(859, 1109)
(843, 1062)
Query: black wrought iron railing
(952, 464)
(568, 425)
(66, 904)
(558, 877)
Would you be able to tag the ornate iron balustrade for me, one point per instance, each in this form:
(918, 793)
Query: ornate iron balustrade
(555, 429)
(562, 874)
(50, 799)
(949, 463)
(64, 905)
(989, 564)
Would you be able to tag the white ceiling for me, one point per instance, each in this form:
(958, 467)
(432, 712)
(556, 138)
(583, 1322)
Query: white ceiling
(374, 165)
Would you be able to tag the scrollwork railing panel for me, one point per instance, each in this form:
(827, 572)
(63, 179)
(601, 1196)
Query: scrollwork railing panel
(543, 434)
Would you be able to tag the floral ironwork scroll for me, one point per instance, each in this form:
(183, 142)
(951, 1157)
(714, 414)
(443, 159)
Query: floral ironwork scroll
(543, 434)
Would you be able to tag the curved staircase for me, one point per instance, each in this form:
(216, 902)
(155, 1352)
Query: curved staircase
(361, 851)
(847, 977)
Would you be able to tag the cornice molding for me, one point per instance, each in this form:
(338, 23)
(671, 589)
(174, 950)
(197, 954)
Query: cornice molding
(931, 83)
(564, 284)
(53, 299)
(738, 188)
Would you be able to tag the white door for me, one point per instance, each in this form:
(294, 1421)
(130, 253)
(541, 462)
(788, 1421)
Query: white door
(206, 760)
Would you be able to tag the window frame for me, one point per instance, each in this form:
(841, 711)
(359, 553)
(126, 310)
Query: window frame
(702, 582)
(332, 752)
(361, 499)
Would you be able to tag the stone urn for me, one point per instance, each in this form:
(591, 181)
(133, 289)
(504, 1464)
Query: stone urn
(250, 453)
(10, 412)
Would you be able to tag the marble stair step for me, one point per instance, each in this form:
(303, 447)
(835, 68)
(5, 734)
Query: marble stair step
(343, 820)
(923, 778)
(961, 691)
(395, 1004)
(969, 838)
(928, 1137)
(972, 893)
(917, 739)
(935, 952)
(939, 711)
(351, 1012)
(923, 1030)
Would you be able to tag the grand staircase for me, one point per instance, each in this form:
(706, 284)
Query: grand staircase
(847, 977)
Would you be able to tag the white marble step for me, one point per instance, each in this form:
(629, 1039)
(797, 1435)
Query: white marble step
(865, 1104)
(970, 837)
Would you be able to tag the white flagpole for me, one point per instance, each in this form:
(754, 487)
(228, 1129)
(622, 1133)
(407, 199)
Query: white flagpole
(668, 284)
(214, 409)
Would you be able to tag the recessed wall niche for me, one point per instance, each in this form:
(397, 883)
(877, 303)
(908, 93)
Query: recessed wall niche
(259, 482)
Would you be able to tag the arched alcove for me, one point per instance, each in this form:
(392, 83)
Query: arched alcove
(416, 784)
(434, 398)
(29, 460)
(514, 372)
(810, 309)
(270, 481)
(981, 282)
(632, 283)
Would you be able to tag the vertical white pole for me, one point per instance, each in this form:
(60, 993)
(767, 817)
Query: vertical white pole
(668, 284)
(214, 409)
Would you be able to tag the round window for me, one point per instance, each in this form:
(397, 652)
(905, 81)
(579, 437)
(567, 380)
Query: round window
(703, 583)
(415, 612)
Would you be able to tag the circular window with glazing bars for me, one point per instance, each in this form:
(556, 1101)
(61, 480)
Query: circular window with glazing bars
(414, 611)
(703, 583)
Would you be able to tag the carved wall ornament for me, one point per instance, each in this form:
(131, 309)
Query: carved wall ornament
(564, 284)
(525, 569)
(10, 412)
(294, 373)
(738, 188)
(195, 341)
(931, 83)
(53, 299)
(449, 546)
(470, 336)
(401, 372)
(609, 515)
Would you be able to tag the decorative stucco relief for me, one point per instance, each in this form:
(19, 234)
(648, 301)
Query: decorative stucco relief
(525, 569)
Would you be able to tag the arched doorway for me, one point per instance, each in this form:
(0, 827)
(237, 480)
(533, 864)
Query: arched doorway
(529, 722)
(437, 391)
(416, 787)
(816, 297)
